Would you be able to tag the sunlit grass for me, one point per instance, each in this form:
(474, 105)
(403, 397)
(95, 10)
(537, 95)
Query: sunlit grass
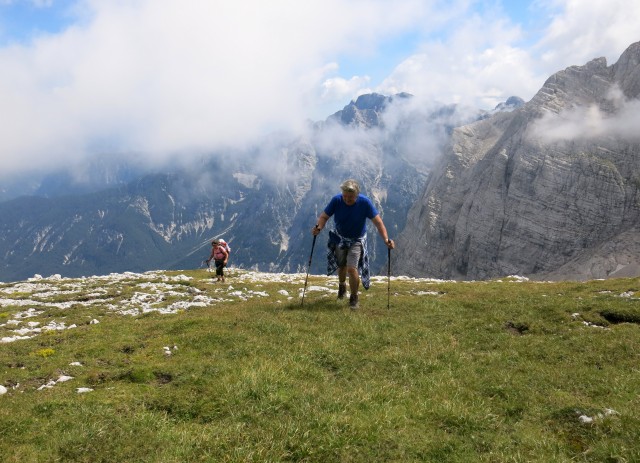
(455, 372)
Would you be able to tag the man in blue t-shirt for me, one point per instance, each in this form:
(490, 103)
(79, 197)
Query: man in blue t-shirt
(347, 243)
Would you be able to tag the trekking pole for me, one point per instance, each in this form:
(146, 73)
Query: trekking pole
(313, 245)
(388, 276)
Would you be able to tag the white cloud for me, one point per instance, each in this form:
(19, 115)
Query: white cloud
(475, 64)
(487, 57)
(621, 120)
(165, 76)
(581, 31)
(482, 78)
(339, 89)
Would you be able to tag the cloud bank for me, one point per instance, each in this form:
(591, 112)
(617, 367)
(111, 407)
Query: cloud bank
(585, 123)
(168, 79)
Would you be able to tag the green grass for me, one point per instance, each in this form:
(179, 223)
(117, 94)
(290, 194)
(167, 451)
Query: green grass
(478, 372)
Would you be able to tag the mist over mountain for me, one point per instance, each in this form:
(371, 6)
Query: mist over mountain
(262, 199)
(550, 189)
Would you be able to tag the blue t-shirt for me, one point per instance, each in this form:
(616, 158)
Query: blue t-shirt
(351, 221)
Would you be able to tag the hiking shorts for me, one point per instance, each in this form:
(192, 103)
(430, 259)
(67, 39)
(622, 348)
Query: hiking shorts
(349, 257)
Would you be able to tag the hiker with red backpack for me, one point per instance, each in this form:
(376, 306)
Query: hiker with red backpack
(220, 255)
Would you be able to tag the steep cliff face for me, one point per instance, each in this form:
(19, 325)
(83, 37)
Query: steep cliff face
(549, 190)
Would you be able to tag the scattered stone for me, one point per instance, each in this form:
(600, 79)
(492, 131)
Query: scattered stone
(48, 385)
(427, 293)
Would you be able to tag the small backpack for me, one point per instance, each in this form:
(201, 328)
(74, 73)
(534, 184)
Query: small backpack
(225, 245)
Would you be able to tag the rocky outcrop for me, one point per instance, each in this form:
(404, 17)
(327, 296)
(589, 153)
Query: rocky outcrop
(367, 110)
(550, 189)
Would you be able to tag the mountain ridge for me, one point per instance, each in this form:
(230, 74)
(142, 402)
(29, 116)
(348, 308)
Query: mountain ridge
(530, 191)
(263, 202)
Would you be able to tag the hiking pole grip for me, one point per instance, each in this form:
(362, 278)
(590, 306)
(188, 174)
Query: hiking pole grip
(313, 245)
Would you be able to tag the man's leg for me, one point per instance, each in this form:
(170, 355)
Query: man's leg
(341, 258)
(342, 278)
(354, 279)
(353, 257)
(342, 274)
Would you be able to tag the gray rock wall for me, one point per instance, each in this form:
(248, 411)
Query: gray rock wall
(549, 190)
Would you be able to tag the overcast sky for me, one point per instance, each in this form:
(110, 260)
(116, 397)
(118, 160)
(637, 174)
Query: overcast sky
(168, 77)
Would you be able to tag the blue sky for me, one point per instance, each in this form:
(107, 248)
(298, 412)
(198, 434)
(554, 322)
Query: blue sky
(165, 76)
(22, 20)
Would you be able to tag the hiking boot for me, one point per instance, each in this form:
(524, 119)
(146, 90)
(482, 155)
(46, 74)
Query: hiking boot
(353, 301)
(342, 290)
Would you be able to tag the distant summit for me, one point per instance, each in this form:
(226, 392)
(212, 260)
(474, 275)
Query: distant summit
(513, 102)
(366, 110)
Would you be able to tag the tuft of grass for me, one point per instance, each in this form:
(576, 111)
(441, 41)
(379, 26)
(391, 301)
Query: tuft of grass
(44, 353)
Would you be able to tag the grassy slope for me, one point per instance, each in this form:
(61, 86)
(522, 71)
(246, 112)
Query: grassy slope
(483, 372)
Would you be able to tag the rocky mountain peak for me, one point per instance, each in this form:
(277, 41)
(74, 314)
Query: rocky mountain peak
(513, 102)
(627, 71)
(370, 101)
(591, 83)
(548, 190)
(366, 110)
